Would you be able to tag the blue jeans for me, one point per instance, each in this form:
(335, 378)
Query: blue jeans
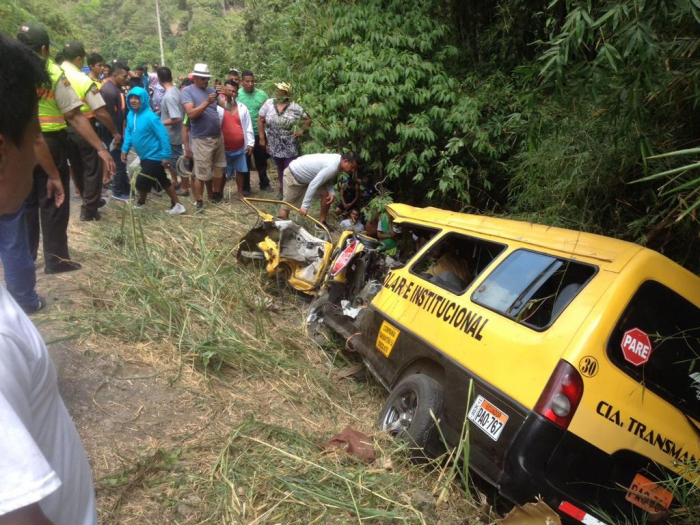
(176, 152)
(120, 180)
(20, 274)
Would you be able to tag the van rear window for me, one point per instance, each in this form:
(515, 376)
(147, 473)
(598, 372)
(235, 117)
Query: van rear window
(669, 325)
(533, 288)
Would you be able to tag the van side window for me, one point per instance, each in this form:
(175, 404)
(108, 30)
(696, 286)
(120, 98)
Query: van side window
(533, 288)
(455, 261)
(411, 238)
(672, 326)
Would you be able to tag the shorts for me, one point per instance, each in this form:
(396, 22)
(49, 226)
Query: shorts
(235, 161)
(294, 191)
(176, 150)
(209, 158)
(152, 176)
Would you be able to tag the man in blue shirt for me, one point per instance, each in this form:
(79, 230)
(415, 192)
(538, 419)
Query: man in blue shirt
(200, 101)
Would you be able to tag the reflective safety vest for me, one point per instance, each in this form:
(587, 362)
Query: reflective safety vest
(81, 84)
(50, 116)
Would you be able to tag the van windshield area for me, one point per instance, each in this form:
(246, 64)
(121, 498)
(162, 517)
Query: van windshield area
(533, 288)
(455, 261)
(669, 325)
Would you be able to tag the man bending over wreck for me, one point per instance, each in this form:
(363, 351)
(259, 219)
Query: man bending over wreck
(308, 174)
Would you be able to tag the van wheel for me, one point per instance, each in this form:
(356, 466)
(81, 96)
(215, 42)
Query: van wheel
(407, 412)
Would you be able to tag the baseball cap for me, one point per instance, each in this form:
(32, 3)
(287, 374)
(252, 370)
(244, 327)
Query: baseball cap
(33, 35)
(73, 49)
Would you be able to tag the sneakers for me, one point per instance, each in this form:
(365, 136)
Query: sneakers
(101, 203)
(139, 205)
(178, 209)
(63, 267)
(217, 197)
(40, 304)
(199, 207)
(124, 197)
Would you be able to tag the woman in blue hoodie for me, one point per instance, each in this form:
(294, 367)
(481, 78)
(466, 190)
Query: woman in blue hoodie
(147, 135)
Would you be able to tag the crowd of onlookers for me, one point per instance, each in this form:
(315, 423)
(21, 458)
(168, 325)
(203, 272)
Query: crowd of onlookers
(216, 135)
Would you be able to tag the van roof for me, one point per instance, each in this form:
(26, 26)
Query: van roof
(614, 252)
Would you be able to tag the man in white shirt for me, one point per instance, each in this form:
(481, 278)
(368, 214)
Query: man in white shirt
(45, 477)
(308, 174)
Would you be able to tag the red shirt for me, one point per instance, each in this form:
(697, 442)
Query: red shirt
(232, 131)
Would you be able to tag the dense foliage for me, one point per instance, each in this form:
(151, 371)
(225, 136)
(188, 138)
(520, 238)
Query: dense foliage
(541, 110)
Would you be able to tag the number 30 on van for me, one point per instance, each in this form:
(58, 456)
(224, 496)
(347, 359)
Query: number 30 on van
(636, 346)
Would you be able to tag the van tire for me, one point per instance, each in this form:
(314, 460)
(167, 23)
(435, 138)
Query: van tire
(407, 412)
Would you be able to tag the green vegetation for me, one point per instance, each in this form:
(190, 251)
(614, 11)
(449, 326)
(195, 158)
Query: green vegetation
(546, 111)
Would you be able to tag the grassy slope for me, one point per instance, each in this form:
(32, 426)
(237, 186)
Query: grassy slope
(169, 287)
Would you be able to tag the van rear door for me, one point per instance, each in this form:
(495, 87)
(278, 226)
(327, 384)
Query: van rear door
(641, 402)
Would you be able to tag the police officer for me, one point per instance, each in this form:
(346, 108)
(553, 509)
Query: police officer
(57, 104)
(83, 157)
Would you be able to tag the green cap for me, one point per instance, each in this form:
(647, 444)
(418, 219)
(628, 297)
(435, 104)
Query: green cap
(33, 35)
(73, 50)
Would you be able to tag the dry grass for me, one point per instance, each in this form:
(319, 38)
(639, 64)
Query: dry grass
(240, 398)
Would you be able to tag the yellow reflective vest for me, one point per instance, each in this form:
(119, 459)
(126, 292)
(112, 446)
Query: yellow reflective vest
(81, 84)
(50, 116)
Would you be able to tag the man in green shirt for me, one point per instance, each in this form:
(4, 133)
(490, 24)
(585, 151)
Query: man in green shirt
(253, 98)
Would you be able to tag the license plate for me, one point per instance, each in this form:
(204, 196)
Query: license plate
(386, 338)
(647, 495)
(488, 418)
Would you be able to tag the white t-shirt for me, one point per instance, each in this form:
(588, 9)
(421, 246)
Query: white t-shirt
(41, 457)
(316, 170)
(346, 224)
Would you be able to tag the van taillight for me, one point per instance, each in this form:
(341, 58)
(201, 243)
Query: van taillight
(561, 396)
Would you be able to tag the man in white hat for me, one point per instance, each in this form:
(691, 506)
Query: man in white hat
(199, 101)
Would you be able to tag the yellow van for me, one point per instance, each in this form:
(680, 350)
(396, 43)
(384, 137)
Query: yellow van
(582, 350)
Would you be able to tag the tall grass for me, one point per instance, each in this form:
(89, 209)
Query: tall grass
(161, 280)
(173, 283)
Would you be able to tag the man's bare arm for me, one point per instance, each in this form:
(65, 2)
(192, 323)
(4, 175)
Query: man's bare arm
(106, 120)
(172, 121)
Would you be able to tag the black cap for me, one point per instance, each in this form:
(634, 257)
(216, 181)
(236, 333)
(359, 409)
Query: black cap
(33, 35)
(73, 50)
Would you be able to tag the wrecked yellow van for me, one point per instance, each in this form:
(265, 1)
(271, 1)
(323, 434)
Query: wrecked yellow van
(289, 250)
(582, 352)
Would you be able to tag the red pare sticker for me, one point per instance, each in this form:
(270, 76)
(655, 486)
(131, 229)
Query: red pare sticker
(636, 346)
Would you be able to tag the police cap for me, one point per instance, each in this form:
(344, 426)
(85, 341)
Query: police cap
(73, 50)
(33, 35)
